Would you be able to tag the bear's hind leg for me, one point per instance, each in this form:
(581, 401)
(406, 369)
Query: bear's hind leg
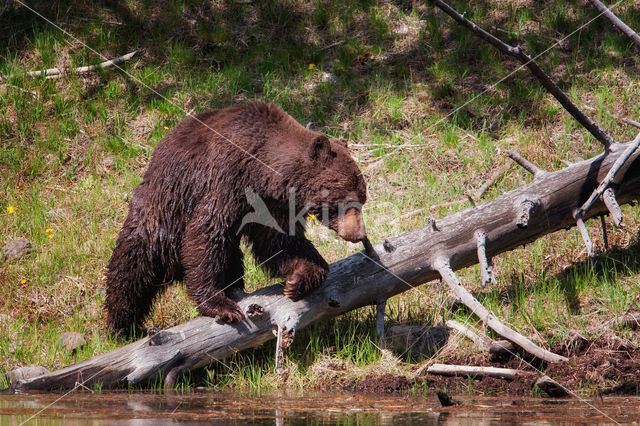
(132, 283)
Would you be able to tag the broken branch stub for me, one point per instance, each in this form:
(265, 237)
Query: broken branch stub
(615, 174)
(486, 269)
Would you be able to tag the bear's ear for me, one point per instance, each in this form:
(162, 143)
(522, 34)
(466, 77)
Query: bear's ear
(342, 142)
(320, 148)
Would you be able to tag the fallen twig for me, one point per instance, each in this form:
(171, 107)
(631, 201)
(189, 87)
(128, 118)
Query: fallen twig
(57, 72)
(631, 122)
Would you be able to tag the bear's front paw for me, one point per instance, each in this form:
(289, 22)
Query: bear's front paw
(302, 278)
(224, 308)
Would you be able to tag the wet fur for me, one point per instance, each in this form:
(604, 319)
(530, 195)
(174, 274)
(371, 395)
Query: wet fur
(184, 217)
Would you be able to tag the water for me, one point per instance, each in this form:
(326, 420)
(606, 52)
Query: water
(138, 408)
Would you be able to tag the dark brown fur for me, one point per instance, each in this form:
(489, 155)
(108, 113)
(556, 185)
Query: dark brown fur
(184, 217)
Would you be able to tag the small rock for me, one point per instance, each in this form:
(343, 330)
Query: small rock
(414, 341)
(551, 387)
(72, 340)
(16, 248)
(24, 373)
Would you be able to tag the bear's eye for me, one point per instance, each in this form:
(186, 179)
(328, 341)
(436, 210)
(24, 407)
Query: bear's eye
(333, 154)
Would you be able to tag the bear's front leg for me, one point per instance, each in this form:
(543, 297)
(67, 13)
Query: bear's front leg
(291, 257)
(302, 277)
(210, 270)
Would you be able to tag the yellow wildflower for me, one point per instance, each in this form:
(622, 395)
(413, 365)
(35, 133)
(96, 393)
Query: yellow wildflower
(312, 66)
(23, 281)
(11, 209)
(48, 230)
(50, 236)
(166, 128)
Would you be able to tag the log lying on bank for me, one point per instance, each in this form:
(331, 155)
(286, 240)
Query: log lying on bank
(516, 218)
(469, 370)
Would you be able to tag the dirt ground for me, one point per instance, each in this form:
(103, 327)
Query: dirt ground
(601, 367)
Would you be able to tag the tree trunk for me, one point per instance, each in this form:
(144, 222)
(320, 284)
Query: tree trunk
(518, 217)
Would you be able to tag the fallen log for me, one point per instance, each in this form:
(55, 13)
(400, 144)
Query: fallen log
(468, 370)
(516, 218)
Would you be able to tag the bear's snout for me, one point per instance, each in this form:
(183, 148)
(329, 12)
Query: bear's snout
(351, 227)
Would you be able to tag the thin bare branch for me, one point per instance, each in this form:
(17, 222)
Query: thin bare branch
(56, 72)
(495, 175)
(585, 236)
(525, 164)
(486, 270)
(617, 22)
(442, 266)
(631, 122)
(609, 198)
(480, 341)
(544, 79)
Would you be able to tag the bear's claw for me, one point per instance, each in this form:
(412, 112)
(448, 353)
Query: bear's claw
(227, 310)
(305, 277)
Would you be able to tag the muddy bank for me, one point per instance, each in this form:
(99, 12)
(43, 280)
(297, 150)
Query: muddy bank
(596, 367)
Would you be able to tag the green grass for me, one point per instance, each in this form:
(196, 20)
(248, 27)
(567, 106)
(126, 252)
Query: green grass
(77, 145)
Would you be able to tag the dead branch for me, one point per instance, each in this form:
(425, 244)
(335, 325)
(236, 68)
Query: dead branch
(468, 370)
(525, 164)
(542, 77)
(58, 72)
(631, 122)
(359, 280)
(617, 22)
(481, 342)
(619, 168)
(442, 265)
(493, 177)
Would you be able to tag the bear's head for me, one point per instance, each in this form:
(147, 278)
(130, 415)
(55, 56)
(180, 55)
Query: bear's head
(335, 190)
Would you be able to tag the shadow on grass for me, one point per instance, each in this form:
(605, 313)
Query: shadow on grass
(356, 41)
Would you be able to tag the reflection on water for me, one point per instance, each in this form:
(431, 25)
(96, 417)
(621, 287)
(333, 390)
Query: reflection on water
(222, 408)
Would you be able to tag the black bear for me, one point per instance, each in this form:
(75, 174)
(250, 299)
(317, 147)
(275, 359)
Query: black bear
(204, 183)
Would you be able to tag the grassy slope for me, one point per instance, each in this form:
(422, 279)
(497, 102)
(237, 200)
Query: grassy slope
(385, 75)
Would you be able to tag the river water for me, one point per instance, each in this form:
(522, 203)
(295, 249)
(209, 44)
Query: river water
(207, 407)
